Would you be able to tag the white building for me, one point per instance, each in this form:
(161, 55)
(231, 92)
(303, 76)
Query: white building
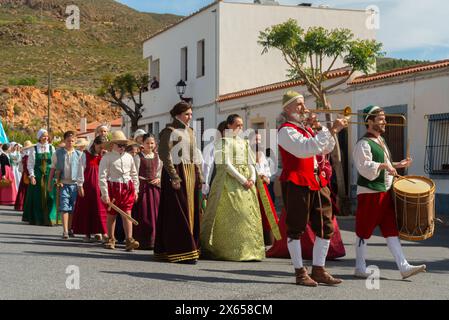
(215, 51)
(420, 93)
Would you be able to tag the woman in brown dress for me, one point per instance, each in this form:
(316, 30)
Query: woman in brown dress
(177, 227)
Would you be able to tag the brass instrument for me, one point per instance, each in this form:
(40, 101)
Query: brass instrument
(347, 113)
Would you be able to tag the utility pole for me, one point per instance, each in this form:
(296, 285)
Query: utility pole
(49, 101)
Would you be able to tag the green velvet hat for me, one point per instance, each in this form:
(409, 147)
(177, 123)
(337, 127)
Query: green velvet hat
(368, 111)
(289, 97)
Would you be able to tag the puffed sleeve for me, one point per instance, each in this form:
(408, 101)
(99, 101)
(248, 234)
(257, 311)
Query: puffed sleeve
(165, 147)
(302, 147)
(133, 173)
(81, 168)
(363, 160)
(31, 162)
(103, 175)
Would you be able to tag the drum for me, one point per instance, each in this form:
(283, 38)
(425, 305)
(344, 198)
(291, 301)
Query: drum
(415, 207)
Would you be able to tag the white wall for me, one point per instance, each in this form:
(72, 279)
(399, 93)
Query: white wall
(167, 48)
(423, 97)
(241, 64)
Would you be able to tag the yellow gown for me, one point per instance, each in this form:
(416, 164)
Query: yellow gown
(231, 227)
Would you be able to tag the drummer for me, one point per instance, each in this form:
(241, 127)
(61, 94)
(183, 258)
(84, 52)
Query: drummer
(375, 206)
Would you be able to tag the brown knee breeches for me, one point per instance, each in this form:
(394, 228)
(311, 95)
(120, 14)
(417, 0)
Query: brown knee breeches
(303, 205)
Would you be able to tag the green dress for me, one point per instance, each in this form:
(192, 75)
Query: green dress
(231, 227)
(40, 205)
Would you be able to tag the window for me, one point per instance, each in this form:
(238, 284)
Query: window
(150, 128)
(184, 59)
(200, 60)
(201, 131)
(154, 73)
(437, 148)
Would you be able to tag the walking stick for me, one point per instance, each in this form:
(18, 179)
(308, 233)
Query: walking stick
(122, 213)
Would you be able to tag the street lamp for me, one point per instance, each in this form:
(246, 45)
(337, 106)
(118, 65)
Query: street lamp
(181, 89)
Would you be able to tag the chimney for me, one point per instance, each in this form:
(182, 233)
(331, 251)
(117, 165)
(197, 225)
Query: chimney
(83, 125)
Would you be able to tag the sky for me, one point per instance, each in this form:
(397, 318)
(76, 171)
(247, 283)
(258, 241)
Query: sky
(409, 29)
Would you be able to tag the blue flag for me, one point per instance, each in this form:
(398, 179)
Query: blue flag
(3, 137)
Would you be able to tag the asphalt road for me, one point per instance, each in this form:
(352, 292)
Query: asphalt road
(34, 261)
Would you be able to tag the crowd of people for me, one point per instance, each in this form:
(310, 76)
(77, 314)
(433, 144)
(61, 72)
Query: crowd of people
(215, 204)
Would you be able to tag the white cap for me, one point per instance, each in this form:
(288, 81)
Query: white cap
(40, 133)
(139, 133)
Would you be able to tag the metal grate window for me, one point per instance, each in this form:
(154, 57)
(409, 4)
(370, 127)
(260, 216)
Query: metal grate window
(437, 148)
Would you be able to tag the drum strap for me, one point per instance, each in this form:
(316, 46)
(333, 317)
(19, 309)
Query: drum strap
(385, 148)
(380, 141)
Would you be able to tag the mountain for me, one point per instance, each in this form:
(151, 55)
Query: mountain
(25, 109)
(34, 40)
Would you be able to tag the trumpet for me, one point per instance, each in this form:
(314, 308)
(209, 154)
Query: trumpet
(347, 113)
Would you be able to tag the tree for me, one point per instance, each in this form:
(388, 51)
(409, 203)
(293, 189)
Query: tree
(125, 91)
(306, 53)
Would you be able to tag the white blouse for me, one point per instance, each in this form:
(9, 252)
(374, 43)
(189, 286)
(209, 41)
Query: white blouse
(41, 148)
(263, 166)
(306, 147)
(207, 166)
(116, 167)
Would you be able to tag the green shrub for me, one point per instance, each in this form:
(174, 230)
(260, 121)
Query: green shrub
(29, 19)
(17, 110)
(23, 82)
(17, 134)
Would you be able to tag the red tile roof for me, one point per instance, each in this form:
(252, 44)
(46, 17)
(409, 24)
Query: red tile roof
(276, 86)
(400, 72)
(93, 125)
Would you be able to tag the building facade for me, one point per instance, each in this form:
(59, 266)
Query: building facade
(419, 93)
(215, 51)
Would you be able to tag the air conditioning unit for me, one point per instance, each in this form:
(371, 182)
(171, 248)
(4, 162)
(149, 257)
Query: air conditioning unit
(267, 2)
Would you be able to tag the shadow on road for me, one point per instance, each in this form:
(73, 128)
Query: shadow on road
(10, 213)
(259, 273)
(98, 255)
(194, 278)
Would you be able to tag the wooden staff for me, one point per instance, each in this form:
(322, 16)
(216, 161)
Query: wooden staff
(58, 185)
(122, 213)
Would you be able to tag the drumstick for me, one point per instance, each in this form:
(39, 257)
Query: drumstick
(408, 149)
(123, 213)
(402, 177)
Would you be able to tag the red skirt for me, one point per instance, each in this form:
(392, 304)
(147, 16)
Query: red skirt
(280, 249)
(8, 194)
(89, 216)
(21, 194)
